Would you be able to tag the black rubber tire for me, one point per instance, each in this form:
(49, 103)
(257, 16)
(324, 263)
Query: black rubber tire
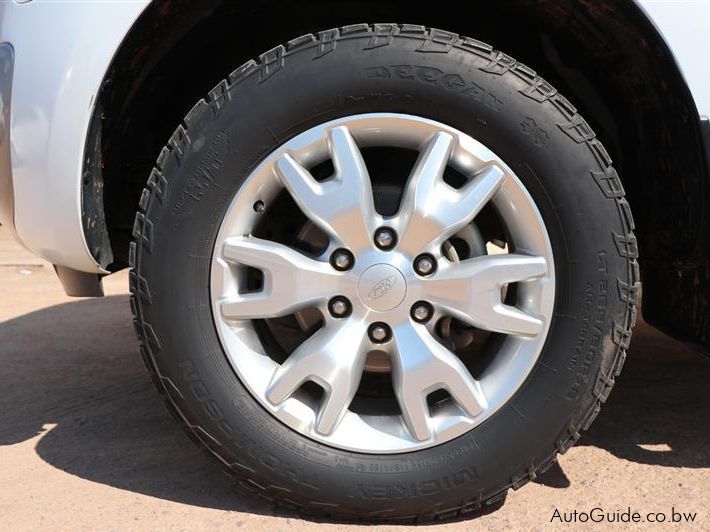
(385, 68)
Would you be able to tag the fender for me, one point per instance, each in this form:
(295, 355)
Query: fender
(58, 71)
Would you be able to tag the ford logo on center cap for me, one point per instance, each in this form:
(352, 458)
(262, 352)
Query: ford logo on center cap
(381, 287)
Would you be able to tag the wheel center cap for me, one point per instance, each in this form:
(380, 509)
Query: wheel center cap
(382, 287)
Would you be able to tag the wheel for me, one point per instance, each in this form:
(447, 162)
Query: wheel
(384, 273)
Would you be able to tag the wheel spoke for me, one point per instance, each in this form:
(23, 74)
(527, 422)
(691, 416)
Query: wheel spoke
(472, 292)
(342, 206)
(334, 358)
(421, 366)
(291, 280)
(432, 210)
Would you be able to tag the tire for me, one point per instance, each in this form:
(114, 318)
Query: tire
(406, 69)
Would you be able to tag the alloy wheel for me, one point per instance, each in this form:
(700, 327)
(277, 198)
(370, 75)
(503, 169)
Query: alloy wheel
(379, 294)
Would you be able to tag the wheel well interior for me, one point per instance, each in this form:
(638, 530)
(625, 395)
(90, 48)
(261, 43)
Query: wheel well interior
(604, 56)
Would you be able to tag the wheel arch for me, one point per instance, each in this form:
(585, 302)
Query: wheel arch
(606, 57)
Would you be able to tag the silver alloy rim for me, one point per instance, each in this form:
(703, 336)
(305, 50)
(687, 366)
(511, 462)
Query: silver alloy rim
(382, 286)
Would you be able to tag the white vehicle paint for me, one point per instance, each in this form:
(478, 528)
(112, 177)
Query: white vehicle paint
(58, 70)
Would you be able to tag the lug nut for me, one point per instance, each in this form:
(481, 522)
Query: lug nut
(339, 307)
(342, 260)
(425, 264)
(379, 332)
(385, 238)
(422, 312)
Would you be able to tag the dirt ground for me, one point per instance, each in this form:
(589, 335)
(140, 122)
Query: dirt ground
(85, 443)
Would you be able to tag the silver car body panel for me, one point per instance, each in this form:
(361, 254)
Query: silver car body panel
(62, 51)
(7, 65)
(685, 26)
